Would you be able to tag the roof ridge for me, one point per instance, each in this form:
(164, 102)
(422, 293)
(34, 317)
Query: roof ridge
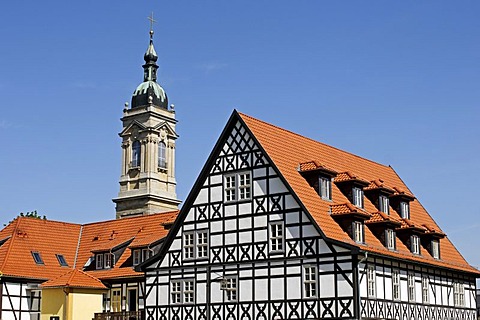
(313, 140)
(78, 247)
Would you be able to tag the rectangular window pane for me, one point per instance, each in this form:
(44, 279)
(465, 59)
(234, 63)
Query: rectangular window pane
(99, 261)
(383, 204)
(188, 291)
(202, 244)
(230, 288)
(425, 292)
(390, 239)
(176, 291)
(276, 236)
(310, 282)
(371, 281)
(435, 249)
(415, 244)
(244, 186)
(405, 210)
(358, 232)
(188, 246)
(411, 287)
(396, 284)
(325, 188)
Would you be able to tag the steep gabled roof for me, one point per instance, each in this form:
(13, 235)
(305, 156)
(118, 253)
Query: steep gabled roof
(288, 150)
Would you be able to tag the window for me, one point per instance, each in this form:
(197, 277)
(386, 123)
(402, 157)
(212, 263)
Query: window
(395, 285)
(405, 210)
(238, 186)
(162, 155)
(411, 287)
(137, 257)
(415, 244)
(99, 260)
(195, 244)
(202, 244)
(146, 253)
(61, 260)
(357, 197)
(458, 294)
(425, 292)
(325, 188)
(176, 292)
(245, 186)
(109, 260)
(310, 281)
(436, 249)
(182, 291)
(136, 151)
(383, 204)
(230, 286)
(188, 246)
(371, 281)
(116, 300)
(37, 257)
(276, 236)
(358, 232)
(188, 291)
(390, 239)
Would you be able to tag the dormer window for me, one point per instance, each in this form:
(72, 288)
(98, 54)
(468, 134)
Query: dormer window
(109, 260)
(405, 210)
(140, 255)
(325, 188)
(383, 204)
(357, 197)
(435, 249)
(99, 261)
(104, 260)
(390, 239)
(415, 244)
(358, 232)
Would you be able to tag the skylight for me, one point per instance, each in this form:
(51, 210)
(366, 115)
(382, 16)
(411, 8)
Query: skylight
(37, 257)
(61, 260)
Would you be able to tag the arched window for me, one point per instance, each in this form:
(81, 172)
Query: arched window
(162, 155)
(136, 149)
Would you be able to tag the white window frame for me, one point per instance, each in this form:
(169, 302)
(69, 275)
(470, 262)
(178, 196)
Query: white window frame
(276, 235)
(435, 244)
(390, 239)
(230, 288)
(325, 187)
(425, 290)
(238, 186)
(99, 261)
(415, 244)
(188, 291)
(358, 232)
(411, 286)
(384, 204)
(196, 246)
(458, 294)
(176, 291)
(357, 197)
(136, 257)
(108, 260)
(188, 242)
(371, 281)
(310, 277)
(405, 209)
(201, 244)
(395, 285)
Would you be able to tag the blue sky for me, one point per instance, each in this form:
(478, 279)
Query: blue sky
(395, 82)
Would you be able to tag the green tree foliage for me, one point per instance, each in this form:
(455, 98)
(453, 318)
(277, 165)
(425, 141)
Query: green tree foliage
(30, 214)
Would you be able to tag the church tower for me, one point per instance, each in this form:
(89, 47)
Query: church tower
(147, 181)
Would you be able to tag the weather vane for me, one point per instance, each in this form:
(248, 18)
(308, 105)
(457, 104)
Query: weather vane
(152, 21)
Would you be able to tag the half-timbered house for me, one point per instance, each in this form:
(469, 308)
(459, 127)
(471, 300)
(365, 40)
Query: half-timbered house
(278, 226)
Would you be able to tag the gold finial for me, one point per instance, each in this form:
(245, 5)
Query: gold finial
(152, 21)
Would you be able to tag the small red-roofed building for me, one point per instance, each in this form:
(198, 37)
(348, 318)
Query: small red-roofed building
(279, 226)
(51, 268)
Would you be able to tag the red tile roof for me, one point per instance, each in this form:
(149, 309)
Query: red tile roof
(77, 243)
(75, 278)
(287, 150)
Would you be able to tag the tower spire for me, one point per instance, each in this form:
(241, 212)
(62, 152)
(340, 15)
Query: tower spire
(150, 56)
